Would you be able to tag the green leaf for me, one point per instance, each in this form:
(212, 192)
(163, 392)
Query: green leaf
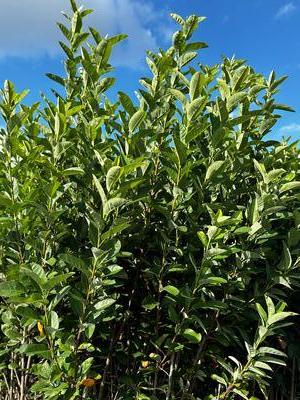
(274, 174)
(104, 304)
(180, 151)
(35, 349)
(178, 19)
(89, 330)
(192, 336)
(213, 169)
(86, 365)
(270, 306)
(273, 360)
(289, 186)
(112, 177)
(256, 89)
(254, 209)
(76, 23)
(75, 262)
(261, 169)
(113, 205)
(283, 107)
(272, 351)
(197, 82)
(193, 131)
(56, 78)
(117, 38)
(267, 125)
(240, 120)
(262, 365)
(255, 228)
(74, 5)
(64, 30)
(202, 236)
(100, 190)
(212, 281)
(57, 280)
(114, 230)
(239, 78)
(219, 379)
(186, 58)
(54, 321)
(216, 253)
(277, 82)
(67, 50)
(195, 107)
(11, 289)
(178, 95)
(280, 316)
(149, 303)
(171, 290)
(35, 277)
(73, 171)
(136, 120)
(235, 99)
(240, 393)
(28, 312)
(263, 315)
(127, 103)
(286, 260)
(195, 46)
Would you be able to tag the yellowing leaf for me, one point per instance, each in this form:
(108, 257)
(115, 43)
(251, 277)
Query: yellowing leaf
(88, 382)
(145, 364)
(40, 328)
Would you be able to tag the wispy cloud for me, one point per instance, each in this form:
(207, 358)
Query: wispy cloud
(285, 10)
(27, 28)
(291, 128)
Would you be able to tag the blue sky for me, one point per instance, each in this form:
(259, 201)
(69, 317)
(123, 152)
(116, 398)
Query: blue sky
(264, 32)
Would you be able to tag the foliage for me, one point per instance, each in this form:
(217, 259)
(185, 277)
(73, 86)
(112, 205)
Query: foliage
(148, 249)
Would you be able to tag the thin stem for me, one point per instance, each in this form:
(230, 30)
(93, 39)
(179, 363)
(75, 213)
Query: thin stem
(170, 378)
(292, 394)
(107, 364)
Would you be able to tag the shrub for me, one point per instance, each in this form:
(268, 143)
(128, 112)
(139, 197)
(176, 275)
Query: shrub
(148, 249)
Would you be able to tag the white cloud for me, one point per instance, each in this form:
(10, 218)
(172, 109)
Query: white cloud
(28, 29)
(291, 128)
(285, 10)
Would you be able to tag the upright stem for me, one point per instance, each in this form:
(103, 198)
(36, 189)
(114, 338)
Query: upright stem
(107, 364)
(11, 379)
(170, 379)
